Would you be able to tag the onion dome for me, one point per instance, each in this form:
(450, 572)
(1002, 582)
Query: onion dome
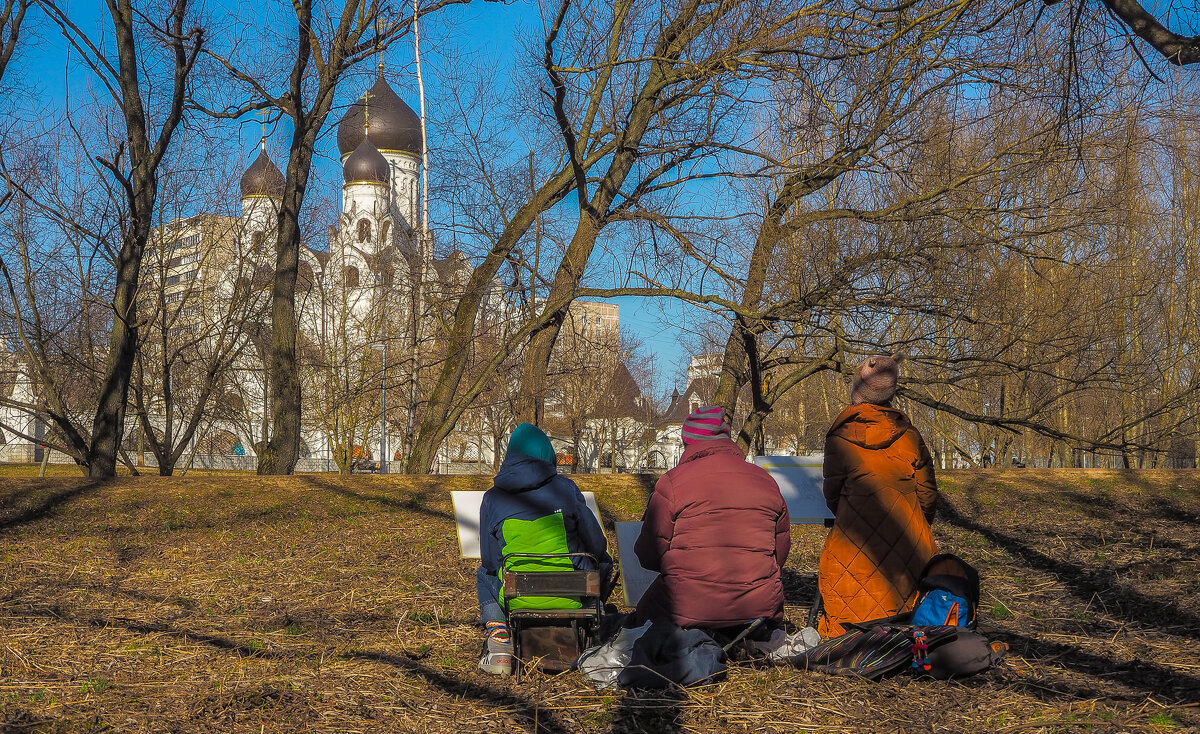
(395, 128)
(262, 178)
(366, 165)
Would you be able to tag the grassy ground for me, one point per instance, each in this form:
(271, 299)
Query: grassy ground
(326, 604)
(72, 471)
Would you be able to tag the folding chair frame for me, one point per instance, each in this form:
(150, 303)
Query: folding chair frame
(586, 585)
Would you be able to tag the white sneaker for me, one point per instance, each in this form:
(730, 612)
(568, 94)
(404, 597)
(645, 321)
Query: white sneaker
(497, 655)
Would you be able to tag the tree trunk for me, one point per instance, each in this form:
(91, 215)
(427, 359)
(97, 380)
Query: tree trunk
(109, 421)
(541, 343)
(445, 405)
(282, 449)
(139, 189)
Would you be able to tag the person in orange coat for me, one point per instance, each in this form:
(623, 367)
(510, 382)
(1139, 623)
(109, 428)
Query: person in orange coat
(880, 486)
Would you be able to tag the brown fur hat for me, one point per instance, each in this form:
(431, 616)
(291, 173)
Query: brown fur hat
(875, 380)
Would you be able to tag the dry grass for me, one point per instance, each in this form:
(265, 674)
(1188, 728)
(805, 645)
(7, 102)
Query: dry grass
(326, 604)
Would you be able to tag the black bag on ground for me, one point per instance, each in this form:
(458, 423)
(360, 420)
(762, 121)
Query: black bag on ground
(667, 655)
(967, 654)
(876, 651)
(948, 593)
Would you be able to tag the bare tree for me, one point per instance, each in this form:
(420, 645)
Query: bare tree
(1176, 48)
(12, 15)
(148, 124)
(199, 308)
(663, 68)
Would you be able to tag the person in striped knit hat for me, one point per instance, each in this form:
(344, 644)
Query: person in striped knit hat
(717, 531)
(705, 423)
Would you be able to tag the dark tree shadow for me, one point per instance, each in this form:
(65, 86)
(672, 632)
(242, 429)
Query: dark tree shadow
(421, 501)
(799, 588)
(1085, 583)
(646, 483)
(1142, 677)
(526, 711)
(12, 516)
(609, 519)
(648, 712)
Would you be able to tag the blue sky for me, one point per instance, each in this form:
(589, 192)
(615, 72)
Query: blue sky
(481, 30)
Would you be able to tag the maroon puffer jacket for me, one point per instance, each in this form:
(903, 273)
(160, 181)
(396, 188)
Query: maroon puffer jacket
(718, 532)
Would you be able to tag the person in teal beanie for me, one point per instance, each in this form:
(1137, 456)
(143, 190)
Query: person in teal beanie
(529, 440)
(531, 508)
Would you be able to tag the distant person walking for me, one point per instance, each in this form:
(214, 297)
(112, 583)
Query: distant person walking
(717, 531)
(879, 483)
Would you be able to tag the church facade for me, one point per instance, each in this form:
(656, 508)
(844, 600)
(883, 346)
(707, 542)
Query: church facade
(372, 305)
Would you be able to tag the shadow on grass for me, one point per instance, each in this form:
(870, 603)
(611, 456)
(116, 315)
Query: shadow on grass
(799, 588)
(648, 712)
(528, 713)
(609, 518)
(1126, 500)
(1143, 678)
(12, 516)
(646, 483)
(1085, 583)
(420, 501)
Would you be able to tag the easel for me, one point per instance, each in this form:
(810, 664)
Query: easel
(800, 482)
(466, 517)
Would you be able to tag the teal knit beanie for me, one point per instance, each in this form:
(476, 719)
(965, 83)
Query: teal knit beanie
(529, 440)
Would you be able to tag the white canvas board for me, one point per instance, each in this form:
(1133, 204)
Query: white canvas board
(801, 484)
(466, 517)
(634, 579)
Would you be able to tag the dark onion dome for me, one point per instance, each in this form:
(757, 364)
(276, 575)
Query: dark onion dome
(395, 128)
(262, 178)
(366, 165)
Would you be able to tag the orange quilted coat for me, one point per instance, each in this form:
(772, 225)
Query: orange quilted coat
(880, 486)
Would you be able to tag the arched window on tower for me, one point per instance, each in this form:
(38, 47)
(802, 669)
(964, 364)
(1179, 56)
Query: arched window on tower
(384, 230)
(256, 238)
(364, 230)
(350, 274)
(304, 277)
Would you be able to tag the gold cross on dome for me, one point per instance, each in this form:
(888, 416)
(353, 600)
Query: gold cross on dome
(366, 98)
(263, 120)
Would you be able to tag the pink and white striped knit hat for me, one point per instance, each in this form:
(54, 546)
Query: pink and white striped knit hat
(706, 423)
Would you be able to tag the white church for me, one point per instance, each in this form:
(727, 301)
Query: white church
(369, 308)
(367, 305)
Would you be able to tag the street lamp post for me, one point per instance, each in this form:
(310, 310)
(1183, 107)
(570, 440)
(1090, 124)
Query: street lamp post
(382, 349)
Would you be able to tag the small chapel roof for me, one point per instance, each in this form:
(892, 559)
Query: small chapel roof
(453, 268)
(697, 392)
(623, 398)
(262, 178)
(366, 164)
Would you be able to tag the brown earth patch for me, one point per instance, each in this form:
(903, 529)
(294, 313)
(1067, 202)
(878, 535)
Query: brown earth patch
(235, 603)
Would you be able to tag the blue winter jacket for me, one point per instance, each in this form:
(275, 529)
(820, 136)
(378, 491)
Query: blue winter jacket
(530, 489)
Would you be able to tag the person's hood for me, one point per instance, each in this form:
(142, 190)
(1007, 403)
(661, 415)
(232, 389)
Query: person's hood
(870, 426)
(700, 449)
(532, 441)
(521, 473)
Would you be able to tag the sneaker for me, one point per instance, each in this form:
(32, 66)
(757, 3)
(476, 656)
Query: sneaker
(497, 655)
(784, 648)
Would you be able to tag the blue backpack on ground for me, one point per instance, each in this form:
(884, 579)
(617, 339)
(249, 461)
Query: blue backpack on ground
(948, 593)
